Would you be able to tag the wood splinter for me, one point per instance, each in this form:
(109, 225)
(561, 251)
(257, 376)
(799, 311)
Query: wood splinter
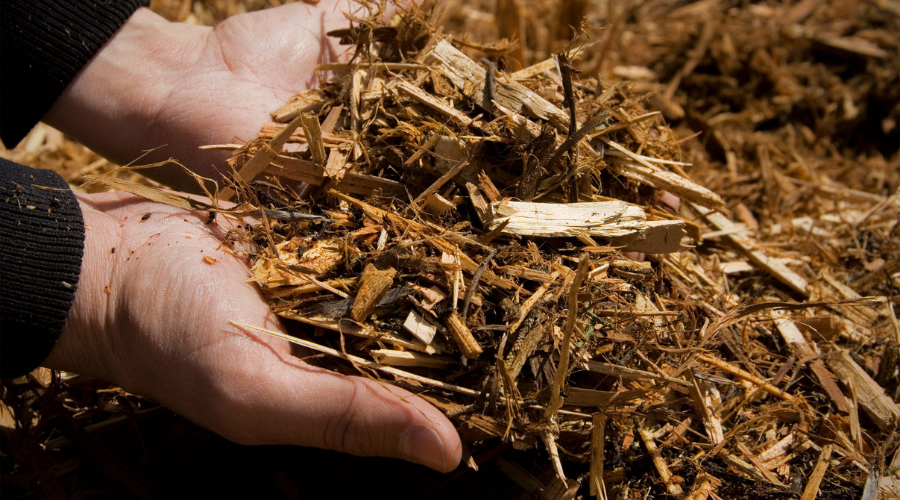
(462, 336)
(373, 284)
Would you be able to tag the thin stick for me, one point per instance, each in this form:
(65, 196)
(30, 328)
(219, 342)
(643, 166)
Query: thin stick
(631, 373)
(441, 181)
(550, 442)
(563, 368)
(529, 304)
(737, 372)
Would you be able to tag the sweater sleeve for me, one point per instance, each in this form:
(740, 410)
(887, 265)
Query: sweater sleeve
(43, 45)
(41, 247)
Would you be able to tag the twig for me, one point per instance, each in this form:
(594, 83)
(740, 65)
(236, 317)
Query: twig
(737, 372)
(658, 461)
(474, 283)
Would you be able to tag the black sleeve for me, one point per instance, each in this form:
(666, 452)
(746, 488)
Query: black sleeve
(43, 45)
(41, 246)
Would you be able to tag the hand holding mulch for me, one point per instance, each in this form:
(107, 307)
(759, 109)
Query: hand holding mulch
(152, 312)
(173, 87)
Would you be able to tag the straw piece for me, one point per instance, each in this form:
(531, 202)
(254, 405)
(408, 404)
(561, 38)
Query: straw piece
(360, 361)
(563, 366)
(597, 485)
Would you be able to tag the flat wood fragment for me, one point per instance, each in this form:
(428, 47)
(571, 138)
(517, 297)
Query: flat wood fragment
(336, 165)
(441, 181)
(818, 473)
(643, 171)
(434, 103)
(704, 486)
(743, 467)
(272, 129)
(750, 249)
(763, 471)
(705, 399)
(597, 485)
(437, 205)
(294, 268)
(488, 188)
(419, 327)
(526, 307)
(352, 182)
(480, 203)
(308, 101)
(550, 442)
(877, 405)
(777, 449)
(469, 77)
(804, 350)
(313, 132)
(609, 219)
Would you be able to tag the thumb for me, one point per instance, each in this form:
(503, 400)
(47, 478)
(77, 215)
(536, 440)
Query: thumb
(295, 403)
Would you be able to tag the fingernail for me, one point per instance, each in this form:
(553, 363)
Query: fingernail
(423, 446)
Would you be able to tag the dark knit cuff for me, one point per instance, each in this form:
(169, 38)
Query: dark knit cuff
(43, 45)
(41, 246)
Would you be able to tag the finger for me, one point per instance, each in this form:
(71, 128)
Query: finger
(672, 201)
(291, 402)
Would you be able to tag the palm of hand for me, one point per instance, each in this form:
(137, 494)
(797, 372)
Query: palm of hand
(175, 344)
(246, 67)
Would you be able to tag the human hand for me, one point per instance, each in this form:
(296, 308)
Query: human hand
(177, 87)
(152, 313)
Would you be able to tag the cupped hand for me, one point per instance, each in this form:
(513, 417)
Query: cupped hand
(176, 87)
(152, 311)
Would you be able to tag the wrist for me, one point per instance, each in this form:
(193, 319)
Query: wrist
(82, 345)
